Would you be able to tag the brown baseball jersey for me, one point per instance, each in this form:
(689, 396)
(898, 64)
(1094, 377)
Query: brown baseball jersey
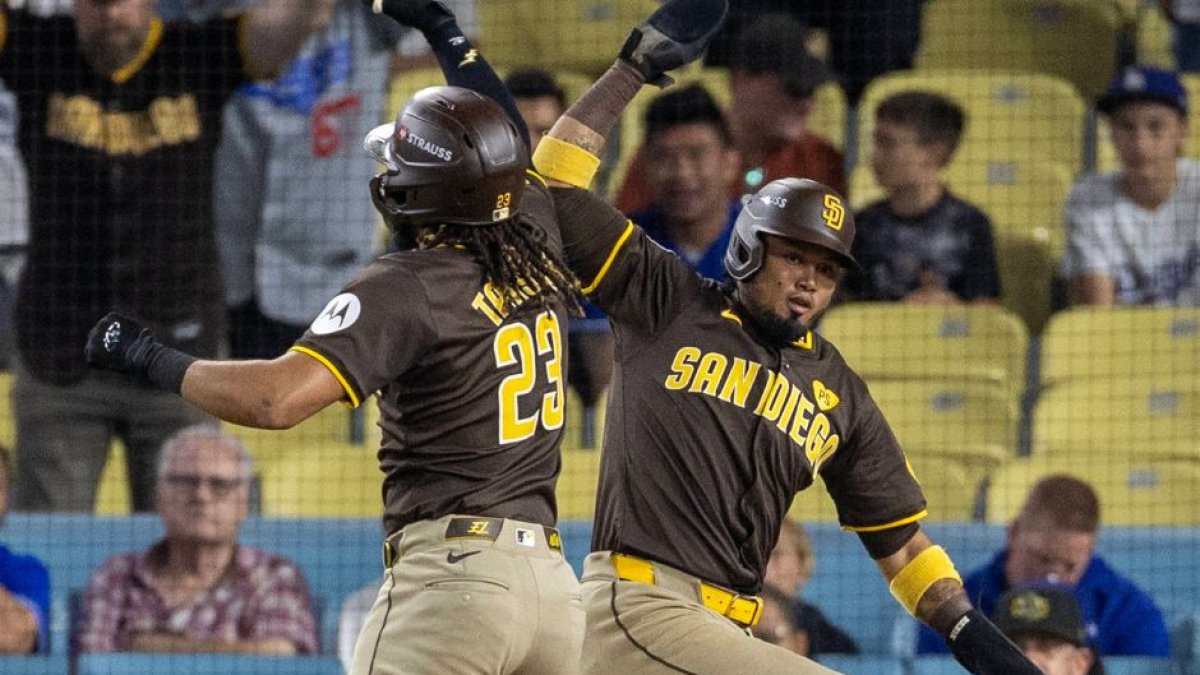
(711, 432)
(471, 396)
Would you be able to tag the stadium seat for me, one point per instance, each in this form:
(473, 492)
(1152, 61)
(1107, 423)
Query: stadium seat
(935, 665)
(579, 35)
(863, 663)
(205, 664)
(577, 483)
(1138, 665)
(1106, 153)
(1131, 491)
(35, 665)
(1077, 40)
(1121, 343)
(403, 86)
(1141, 418)
(974, 421)
(1152, 37)
(1013, 117)
(324, 479)
(892, 341)
(8, 423)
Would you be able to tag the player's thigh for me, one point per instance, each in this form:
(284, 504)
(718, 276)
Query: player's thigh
(63, 436)
(445, 619)
(556, 606)
(634, 628)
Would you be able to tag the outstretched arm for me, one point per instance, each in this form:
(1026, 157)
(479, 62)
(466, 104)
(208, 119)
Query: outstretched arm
(924, 581)
(461, 62)
(674, 35)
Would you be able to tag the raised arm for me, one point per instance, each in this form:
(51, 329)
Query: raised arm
(923, 580)
(461, 63)
(274, 30)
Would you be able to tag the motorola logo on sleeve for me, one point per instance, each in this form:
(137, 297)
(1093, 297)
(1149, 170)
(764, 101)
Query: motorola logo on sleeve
(341, 312)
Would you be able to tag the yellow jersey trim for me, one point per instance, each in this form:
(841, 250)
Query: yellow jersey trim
(612, 255)
(354, 402)
(538, 177)
(805, 342)
(896, 523)
(121, 75)
(728, 314)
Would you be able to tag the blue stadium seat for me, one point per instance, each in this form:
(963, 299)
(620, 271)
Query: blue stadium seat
(206, 664)
(34, 665)
(863, 663)
(935, 665)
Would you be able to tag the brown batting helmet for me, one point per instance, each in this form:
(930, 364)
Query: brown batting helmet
(794, 208)
(453, 156)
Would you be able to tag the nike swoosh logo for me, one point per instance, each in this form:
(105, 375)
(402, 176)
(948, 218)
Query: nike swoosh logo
(452, 558)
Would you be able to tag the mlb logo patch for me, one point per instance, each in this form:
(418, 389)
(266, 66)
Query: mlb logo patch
(526, 537)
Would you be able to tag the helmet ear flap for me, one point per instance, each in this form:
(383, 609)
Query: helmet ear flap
(742, 258)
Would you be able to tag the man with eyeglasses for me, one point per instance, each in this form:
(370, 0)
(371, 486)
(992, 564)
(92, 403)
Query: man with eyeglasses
(197, 590)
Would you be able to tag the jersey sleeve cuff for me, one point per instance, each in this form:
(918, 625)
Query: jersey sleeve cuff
(354, 398)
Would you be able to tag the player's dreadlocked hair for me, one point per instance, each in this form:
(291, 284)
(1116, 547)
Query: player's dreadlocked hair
(515, 260)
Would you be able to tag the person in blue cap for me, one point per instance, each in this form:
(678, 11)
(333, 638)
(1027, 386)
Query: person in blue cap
(1132, 234)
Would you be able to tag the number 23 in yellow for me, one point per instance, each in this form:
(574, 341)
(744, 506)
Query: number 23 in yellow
(516, 344)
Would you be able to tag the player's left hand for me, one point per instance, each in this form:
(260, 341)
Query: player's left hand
(420, 14)
(676, 34)
(121, 343)
(982, 649)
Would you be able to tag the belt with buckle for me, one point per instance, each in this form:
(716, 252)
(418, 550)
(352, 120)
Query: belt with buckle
(469, 527)
(745, 610)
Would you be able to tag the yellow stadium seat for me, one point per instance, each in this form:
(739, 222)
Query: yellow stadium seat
(1134, 492)
(323, 479)
(8, 424)
(894, 341)
(112, 493)
(1152, 37)
(330, 425)
(1076, 40)
(975, 421)
(1122, 343)
(579, 35)
(1103, 419)
(1011, 117)
(949, 485)
(1106, 152)
(577, 483)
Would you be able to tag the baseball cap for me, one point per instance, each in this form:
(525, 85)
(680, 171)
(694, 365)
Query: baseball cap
(1142, 83)
(774, 43)
(1047, 610)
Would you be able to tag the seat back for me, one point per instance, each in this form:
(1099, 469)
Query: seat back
(1122, 343)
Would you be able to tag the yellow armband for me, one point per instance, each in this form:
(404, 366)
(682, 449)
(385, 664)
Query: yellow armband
(559, 160)
(911, 582)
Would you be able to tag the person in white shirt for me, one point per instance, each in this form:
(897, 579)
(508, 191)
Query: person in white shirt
(1133, 235)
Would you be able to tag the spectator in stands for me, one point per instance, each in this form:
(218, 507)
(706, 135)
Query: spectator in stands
(921, 243)
(540, 101)
(1132, 237)
(1184, 16)
(1053, 539)
(690, 162)
(197, 590)
(772, 90)
(14, 219)
(1045, 622)
(777, 626)
(790, 567)
(120, 120)
(351, 619)
(291, 226)
(24, 590)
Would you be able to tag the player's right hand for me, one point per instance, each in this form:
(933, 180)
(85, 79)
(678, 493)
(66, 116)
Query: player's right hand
(121, 343)
(676, 34)
(420, 14)
(983, 650)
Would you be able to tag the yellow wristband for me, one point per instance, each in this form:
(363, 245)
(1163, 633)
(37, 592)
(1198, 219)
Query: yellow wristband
(911, 582)
(559, 160)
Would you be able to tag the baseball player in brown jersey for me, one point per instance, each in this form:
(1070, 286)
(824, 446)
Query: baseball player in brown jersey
(724, 404)
(462, 337)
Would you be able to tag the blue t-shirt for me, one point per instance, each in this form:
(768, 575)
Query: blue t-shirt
(26, 578)
(1122, 620)
(711, 263)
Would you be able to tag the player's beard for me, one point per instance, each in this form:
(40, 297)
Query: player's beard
(775, 329)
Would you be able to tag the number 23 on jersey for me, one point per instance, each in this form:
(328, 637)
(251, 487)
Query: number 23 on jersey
(532, 350)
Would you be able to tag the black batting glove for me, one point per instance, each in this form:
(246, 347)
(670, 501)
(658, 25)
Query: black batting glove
(424, 15)
(123, 344)
(982, 649)
(676, 34)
